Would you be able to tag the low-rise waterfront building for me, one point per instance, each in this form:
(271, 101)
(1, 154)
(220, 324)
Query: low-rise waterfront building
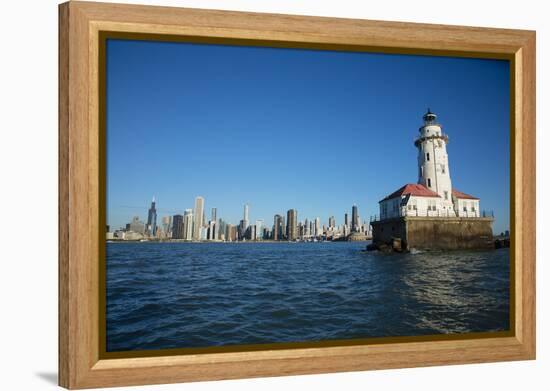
(136, 225)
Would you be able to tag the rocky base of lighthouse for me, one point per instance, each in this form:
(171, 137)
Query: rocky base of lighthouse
(433, 233)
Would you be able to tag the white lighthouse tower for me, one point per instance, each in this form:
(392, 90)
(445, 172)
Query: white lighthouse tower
(433, 162)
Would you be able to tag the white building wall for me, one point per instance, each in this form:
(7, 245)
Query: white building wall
(467, 207)
(415, 206)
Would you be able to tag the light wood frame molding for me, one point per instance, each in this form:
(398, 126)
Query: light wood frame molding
(80, 364)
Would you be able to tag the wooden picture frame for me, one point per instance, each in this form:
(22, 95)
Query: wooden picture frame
(81, 24)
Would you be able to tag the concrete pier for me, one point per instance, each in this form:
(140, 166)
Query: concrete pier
(433, 233)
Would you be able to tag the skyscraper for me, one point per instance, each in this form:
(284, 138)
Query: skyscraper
(213, 227)
(259, 230)
(231, 232)
(317, 227)
(241, 231)
(221, 229)
(177, 228)
(211, 235)
(152, 219)
(228, 232)
(188, 224)
(199, 214)
(167, 225)
(292, 224)
(278, 227)
(245, 217)
(331, 222)
(346, 221)
(214, 212)
(354, 218)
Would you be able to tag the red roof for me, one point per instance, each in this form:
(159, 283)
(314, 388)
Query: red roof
(459, 194)
(413, 189)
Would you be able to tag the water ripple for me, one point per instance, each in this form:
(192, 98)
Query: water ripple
(195, 295)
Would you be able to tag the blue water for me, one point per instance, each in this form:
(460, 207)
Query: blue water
(176, 295)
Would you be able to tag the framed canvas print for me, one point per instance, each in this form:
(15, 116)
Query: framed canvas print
(247, 195)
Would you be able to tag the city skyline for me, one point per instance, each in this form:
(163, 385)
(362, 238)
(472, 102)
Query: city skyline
(170, 210)
(179, 221)
(283, 134)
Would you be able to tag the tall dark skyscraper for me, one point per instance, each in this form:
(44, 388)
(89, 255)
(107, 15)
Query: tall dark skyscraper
(292, 224)
(152, 219)
(278, 227)
(354, 218)
(177, 227)
(346, 221)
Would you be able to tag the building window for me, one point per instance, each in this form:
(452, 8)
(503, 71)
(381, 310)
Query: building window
(429, 182)
(428, 157)
(443, 168)
(446, 193)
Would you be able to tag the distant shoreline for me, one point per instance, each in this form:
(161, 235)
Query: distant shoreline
(235, 242)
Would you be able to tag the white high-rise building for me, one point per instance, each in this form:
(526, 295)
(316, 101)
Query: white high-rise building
(199, 215)
(188, 224)
(245, 217)
(259, 229)
(317, 227)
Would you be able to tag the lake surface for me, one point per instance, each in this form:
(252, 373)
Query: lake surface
(176, 295)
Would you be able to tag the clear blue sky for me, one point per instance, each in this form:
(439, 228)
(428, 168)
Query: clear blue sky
(290, 128)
